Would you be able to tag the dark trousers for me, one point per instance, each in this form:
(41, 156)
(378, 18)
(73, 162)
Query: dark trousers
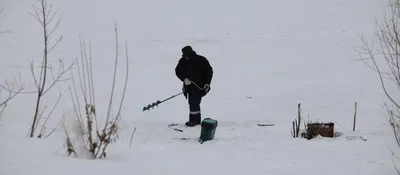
(194, 99)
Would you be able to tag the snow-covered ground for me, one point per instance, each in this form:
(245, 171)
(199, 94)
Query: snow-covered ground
(267, 55)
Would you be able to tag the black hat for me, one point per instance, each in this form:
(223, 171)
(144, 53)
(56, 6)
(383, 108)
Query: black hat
(188, 51)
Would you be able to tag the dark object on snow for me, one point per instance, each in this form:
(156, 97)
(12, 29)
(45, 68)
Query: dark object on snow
(70, 151)
(322, 129)
(208, 128)
(356, 137)
(199, 72)
(159, 102)
(171, 125)
(265, 124)
(176, 129)
(181, 138)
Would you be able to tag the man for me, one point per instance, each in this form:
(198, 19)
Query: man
(196, 73)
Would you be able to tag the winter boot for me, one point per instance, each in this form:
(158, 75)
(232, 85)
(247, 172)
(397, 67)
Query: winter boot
(194, 119)
(192, 123)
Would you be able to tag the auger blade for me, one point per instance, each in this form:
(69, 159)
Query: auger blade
(155, 104)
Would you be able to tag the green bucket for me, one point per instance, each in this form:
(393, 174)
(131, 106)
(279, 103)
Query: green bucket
(208, 128)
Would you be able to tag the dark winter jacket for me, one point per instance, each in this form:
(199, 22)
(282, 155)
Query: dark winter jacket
(197, 69)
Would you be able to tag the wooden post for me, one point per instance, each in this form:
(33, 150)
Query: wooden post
(299, 120)
(355, 116)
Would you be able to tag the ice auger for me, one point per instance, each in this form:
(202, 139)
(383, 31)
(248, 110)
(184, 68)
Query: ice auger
(159, 102)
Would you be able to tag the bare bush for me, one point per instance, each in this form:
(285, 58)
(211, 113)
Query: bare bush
(98, 130)
(385, 60)
(12, 89)
(45, 15)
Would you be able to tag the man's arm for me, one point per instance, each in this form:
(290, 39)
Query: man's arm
(179, 70)
(209, 71)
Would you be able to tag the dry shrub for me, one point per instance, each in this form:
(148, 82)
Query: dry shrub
(98, 130)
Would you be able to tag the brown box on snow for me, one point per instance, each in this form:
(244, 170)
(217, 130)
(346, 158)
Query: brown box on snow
(323, 129)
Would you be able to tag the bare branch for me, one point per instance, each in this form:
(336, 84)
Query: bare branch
(91, 86)
(11, 95)
(88, 75)
(50, 19)
(76, 105)
(49, 115)
(36, 16)
(33, 75)
(126, 82)
(3, 108)
(54, 129)
(130, 142)
(83, 86)
(57, 42)
(115, 73)
(58, 78)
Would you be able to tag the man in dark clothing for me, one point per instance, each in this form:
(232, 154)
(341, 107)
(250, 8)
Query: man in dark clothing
(196, 73)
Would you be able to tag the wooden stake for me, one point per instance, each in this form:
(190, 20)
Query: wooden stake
(299, 121)
(355, 116)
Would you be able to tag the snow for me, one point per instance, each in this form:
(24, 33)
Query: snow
(268, 55)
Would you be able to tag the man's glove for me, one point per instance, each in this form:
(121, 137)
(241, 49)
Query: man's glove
(187, 81)
(206, 88)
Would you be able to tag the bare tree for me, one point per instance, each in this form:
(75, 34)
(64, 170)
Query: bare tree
(45, 15)
(385, 60)
(98, 132)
